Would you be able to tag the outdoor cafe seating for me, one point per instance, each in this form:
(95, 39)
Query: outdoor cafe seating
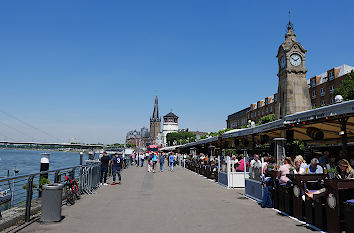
(340, 192)
(300, 184)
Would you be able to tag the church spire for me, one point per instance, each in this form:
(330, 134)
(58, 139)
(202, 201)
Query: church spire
(155, 115)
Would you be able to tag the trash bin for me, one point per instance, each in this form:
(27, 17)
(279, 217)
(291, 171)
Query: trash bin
(51, 202)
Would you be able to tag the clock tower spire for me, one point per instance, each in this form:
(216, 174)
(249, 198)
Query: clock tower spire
(293, 95)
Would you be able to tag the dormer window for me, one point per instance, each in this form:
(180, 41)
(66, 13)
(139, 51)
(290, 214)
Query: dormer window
(313, 82)
(266, 101)
(331, 75)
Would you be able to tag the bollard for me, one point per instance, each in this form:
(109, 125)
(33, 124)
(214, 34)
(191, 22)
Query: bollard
(81, 157)
(44, 164)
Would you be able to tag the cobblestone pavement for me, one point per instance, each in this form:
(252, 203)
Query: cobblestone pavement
(168, 202)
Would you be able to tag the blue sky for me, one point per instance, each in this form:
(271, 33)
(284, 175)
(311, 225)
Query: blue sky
(90, 70)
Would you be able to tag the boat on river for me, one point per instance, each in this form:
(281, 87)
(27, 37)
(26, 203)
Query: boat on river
(5, 196)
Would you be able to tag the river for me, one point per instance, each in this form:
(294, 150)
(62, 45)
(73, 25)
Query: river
(28, 161)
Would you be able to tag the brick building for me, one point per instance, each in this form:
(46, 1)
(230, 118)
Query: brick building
(237, 119)
(321, 87)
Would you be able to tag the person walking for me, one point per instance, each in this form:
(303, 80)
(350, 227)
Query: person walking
(149, 161)
(116, 168)
(154, 162)
(137, 159)
(104, 168)
(162, 161)
(142, 157)
(171, 159)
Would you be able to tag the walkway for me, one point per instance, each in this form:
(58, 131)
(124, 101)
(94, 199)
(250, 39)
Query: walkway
(178, 202)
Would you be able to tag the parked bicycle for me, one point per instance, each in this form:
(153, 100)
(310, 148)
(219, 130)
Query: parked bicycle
(71, 189)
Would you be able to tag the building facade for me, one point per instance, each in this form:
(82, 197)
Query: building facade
(262, 108)
(170, 125)
(237, 119)
(155, 121)
(321, 87)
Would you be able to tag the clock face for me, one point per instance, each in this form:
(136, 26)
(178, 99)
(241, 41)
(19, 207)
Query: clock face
(282, 61)
(295, 59)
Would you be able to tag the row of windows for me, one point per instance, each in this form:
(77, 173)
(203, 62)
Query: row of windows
(261, 113)
(330, 77)
(238, 123)
(322, 91)
(323, 102)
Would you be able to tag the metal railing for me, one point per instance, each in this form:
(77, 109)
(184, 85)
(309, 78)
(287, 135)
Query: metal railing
(20, 195)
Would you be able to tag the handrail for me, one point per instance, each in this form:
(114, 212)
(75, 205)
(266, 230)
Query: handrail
(88, 178)
(38, 173)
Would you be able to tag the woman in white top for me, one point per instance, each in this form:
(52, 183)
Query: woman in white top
(298, 169)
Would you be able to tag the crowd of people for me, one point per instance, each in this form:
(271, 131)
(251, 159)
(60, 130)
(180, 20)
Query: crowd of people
(113, 164)
(340, 168)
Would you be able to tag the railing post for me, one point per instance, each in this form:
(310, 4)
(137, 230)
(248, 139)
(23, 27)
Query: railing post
(72, 174)
(29, 199)
(56, 177)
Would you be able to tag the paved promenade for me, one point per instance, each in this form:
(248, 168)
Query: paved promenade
(178, 202)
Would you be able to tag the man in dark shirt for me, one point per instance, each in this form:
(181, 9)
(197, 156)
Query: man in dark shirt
(104, 168)
(117, 166)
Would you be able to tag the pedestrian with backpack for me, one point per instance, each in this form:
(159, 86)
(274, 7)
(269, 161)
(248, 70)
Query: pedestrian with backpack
(116, 168)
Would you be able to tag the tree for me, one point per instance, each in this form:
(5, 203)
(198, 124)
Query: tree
(180, 137)
(268, 118)
(347, 88)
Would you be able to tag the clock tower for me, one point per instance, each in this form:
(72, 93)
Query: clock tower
(293, 94)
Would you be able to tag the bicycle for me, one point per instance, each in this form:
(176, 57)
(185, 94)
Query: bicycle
(71, 189)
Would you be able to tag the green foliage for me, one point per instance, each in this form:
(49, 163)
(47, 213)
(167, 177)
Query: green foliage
(131, 145)
(42, 181)
(332, 170)
(268, 118)
(347, 88)
(180, 137)
(213, 134)
(300, 144)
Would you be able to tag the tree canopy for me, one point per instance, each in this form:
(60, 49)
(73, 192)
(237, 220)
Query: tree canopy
(347, 88)
(180, 137)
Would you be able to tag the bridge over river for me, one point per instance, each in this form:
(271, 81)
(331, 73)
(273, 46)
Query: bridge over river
(168, 202)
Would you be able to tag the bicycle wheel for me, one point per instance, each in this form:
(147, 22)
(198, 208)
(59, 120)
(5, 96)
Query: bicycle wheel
(69, 194)
(76, 189)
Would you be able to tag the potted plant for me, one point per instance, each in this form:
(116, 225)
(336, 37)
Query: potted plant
(332, 172)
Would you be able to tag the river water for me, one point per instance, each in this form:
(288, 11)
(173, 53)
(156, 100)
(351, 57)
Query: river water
(28, 161)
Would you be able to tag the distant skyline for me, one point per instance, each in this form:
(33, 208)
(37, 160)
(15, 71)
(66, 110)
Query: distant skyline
(90, 70)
